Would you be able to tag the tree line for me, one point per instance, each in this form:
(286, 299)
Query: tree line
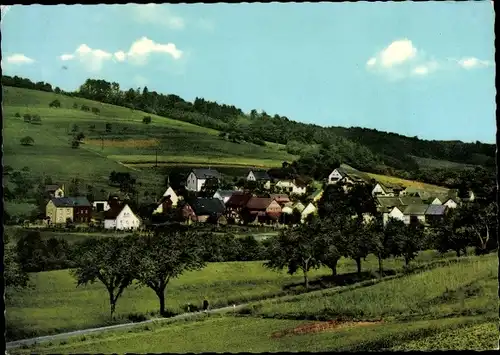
(365, 149)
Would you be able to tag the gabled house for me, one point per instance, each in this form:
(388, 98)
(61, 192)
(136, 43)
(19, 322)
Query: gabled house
(209, 210)
(54, 191)
(386, 189)
(445, 199)
(198, 177)
(385, 204)
(173, 196)
(236, 204)
(415, 214)
(261, 209)
(223, 195)
(164, 205)
(411, 191)
(394, 213)
(121, 217)
(299, 206)
(309, 209)
(261, 177)
(100, 202)
(435, 213)
(282, 199)
(76, 209)
(346, 174)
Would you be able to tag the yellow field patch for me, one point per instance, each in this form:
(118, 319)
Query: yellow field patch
(123, 143)
(406, 183)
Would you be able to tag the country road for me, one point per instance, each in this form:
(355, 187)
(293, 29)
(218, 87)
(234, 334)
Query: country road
(31, 341)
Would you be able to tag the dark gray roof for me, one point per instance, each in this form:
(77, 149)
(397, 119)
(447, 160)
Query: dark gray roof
(261, 175)
(409, 200)
(435, 210)
(206, 173)
(208, 206)
(389, 201)
(71, 202)
(51, 188)
(415, 209)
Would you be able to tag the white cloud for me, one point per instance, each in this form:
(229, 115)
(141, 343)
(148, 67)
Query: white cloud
(19, 59)
(397, 53)
(425, 68)
(138, 54)
(158, 15)
(472, 62)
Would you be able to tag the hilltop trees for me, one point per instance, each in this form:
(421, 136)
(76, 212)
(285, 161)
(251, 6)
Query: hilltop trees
(56, 103)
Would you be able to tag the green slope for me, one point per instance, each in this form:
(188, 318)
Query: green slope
(130, 140)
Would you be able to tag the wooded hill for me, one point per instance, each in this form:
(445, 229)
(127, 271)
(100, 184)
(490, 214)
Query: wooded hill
(365, 149)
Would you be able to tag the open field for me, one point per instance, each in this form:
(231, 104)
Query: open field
(427, 163)
(430, 310)
(407, 183)
(130, 141)
(50, 307)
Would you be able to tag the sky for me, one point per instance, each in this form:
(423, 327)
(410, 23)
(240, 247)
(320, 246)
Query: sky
(421, 69)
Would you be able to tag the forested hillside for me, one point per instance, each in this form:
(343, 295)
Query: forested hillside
(319, 147)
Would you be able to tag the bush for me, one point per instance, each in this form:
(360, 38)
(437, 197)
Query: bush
(27, 117)
(17, 114)
(75, 144)
(146, 119)
(36, 119)
(27, 141)
(95, 110)
(56, 103)
(85, 108)
(137, 317)
(75, 105)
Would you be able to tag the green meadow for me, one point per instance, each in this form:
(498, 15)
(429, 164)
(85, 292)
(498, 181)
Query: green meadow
(450, 307)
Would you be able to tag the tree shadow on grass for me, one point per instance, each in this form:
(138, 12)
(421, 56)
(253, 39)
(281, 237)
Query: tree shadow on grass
(338, 280)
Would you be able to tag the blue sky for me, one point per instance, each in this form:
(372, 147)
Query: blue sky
(418, 69)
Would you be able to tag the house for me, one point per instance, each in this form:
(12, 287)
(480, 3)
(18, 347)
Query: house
(415, 214)
(435, 213)
(236, 204)
(164, 205)
(385, 204)
(261, 209)
(295, 186)
(100, 202)
(173, 196)
(448, 199)
(316, 195)
(282, 199)
(386, 189)
(309, 209)
(54, 191)
(198, 177)
(394, 213)
(261, 177)
(186, 212)
(299, 207)
(287, 210)
(223, 195)
(76, 209)
(209, 210)
(121, 217)
(347, 175)
(416, 192)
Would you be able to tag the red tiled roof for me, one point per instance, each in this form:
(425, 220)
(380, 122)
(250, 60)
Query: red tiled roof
(238, 200)
(259, 203)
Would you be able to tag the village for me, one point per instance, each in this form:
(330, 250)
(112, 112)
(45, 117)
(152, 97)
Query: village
(266, 200)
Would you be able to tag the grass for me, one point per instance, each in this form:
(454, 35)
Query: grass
(428, 163)
(406, 183)
(431, 329)
(130, 141)
(15, 208)
(51, 307)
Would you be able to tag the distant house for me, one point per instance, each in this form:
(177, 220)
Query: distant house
(386, 189)
(296, 186)
(396, 213)
(415, 214)
(76, 209)
(100, 202)
(261, 177)
(236, 204)
(54, 191)
(209, 210)
(309, 209)
(385, 204)
(173, 196)
(447, 200)
(282, 199)
(435, 213)
(346, 175)
(121, 218)
(262, 209)
(186, 212)
(298, 207)
(164, 205)
(223, 195)
(198, 177)
(416, 192)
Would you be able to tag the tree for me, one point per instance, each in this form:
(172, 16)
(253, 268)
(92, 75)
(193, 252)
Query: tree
(75, 105)
(165, 255)
(27, 117)
(56, 103)
(108, 260)
(17, 115)
(57, 90)
(36, 119)
(80, 136)
(146, 119)
(480, 221)
(74, 128)
(379, 241)
(405, 241)
(75, 143)
(74, 187)
(95, 110)
(30, 249)
(14, 274)
(450, 233)
(330, 240)
(295, 249)
(27, 141)
(359, 240)
(108, 127)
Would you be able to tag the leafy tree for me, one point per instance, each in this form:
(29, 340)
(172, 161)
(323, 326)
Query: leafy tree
(379, 241)
(75, 143)
(359, 240)
(74, 187)
(57, 90)
(108, 260)
(165, 255)
(80, 136)
(14, 274)
(18, 115)
(31, 249)
(480, 221)
(146, 119)
(108, 127)
(450, 233)
(27, 141)
(56, 103)
(405, 241)
(330, 240)
(296, 250)
(95, 110)
(74, 128)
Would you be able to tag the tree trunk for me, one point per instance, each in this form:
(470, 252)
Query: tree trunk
(458, 252)
(358, 264)
(112, 305)
(380, 266)
(333, 266)
(306, 280)
(407, 261)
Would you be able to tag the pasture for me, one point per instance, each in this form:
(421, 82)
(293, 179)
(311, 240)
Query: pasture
(407, 183)
(50, 306)
(129, 141)
(435, 309)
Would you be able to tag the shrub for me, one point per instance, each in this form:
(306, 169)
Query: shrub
(56, 103)
(27, 141)
(146, 119)
(80, 136)
(36, 119)
(85, 108)
(27, 117)
(75, 144)
(95, 110)
(17, 114)
(136, 317)
(75, 105)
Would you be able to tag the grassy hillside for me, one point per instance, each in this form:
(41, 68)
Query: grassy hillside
(449, 307)
(130, 140)
(407, 183)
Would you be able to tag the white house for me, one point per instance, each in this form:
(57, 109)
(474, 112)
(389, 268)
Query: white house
(415, 213)
(396, 213)
(287, 210)
(261, 177)
(299, 206)
(121, 218)
(291, 186)
(101, 205)
(223, 195)
(389, 190)
(173, 196)
(310, 208)
(197, 178)
(450, 203)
